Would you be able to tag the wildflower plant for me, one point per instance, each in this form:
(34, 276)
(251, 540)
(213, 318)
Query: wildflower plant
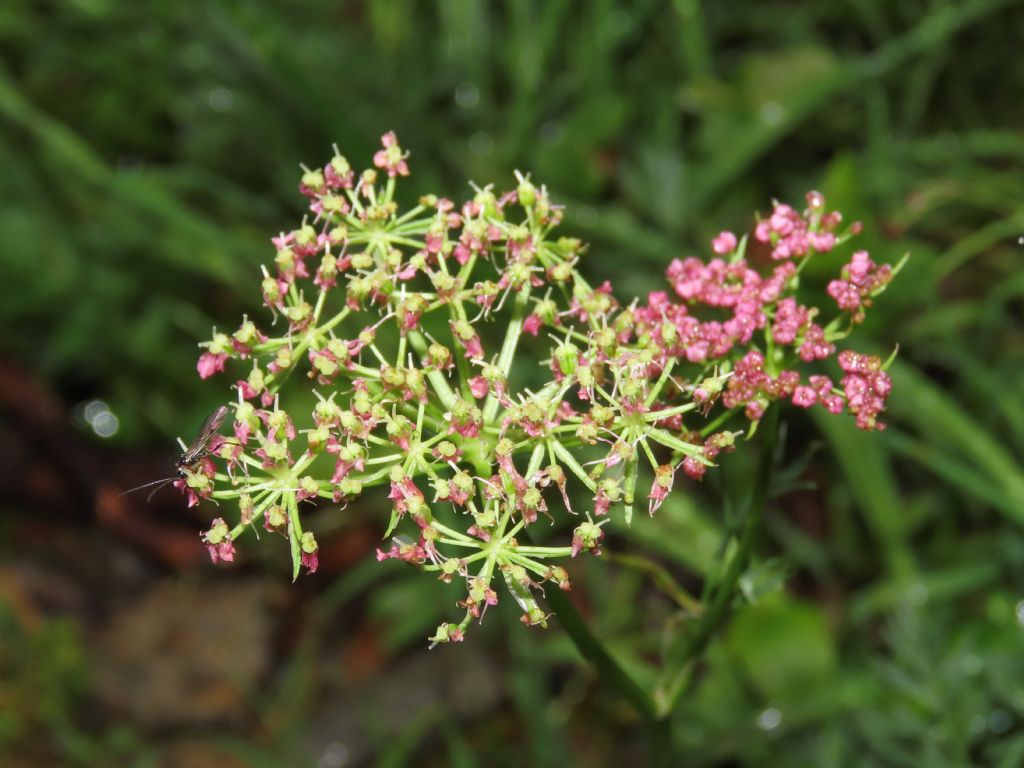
(389, 316)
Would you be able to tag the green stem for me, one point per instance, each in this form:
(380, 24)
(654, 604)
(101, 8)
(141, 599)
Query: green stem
(593, 650)
(508, 347)
(434, 376)
(690, 646)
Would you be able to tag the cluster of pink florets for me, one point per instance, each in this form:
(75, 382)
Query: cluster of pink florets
(861, 280)
(407, 326)
(793, 235)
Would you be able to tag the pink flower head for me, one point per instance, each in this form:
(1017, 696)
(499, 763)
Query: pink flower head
(218, 542)
(466, 419)
(310, 558)
(588, 536)
(664, 477)
(468, 339)
(866, 387)
(391, 158)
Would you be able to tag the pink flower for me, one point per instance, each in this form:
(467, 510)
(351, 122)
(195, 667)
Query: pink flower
(310, 558)
(218, 542)
(724, 243)
(478, 387)
(391, 157)
(804, 397)
(846, 295)
(693, 468)
(223, 552)
(588, 536)
(823, 242)
(210, 363)
(866, 387)
(815, 346)
(664, 477)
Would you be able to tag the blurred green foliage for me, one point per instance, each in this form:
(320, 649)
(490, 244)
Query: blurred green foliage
(150, 149)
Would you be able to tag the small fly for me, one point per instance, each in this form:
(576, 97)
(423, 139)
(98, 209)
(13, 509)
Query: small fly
(192, 454)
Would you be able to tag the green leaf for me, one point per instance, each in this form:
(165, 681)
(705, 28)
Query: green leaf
(784, 647)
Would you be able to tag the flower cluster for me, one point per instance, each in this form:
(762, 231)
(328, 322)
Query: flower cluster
(407, 326)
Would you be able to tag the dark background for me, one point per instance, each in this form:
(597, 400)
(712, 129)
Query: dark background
(148, 151)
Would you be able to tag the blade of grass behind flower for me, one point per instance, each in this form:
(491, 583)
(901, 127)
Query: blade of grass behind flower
(954, 472)
(736, 158)
(866, 465)
(943, 422)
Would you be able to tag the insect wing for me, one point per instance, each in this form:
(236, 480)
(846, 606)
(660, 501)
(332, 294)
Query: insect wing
(198, 447)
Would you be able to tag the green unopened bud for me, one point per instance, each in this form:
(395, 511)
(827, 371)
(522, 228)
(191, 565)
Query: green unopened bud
(526, 193)
(569, 244)
(309, 486)
(350, 487)
(305, 236)
(218, 532)
(283, 358)
(246, 508)
(631, 389)
(276, 516)
(271, 290)
(245, 412)
(532, 498)
(256, 379)
(560, 272)
(463, 330)
(567, 356)
(329, 265)
(325, 366)
(488, 202)
(308, 543)
(534, 617)
(463, 481)
(332, 203)
(446, 633)
(587, 432)
(299, 313)
(220, 344)
(418, 507)
(438, 355)
(441, 489)
(446, 449)
(318, 437)
(313, 180)
(340, 165)
(275, 451)
(362, 260)
(247, 333)
(610, 488)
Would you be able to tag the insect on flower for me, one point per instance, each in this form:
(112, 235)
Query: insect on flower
(191, 454)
